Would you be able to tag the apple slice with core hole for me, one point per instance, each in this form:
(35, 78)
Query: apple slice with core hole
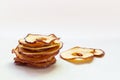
(78, 55)
(81, 55)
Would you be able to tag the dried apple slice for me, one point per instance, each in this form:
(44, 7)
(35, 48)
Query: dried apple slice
(55, 44)
(78, 55)
(37, 40)
(32, 38)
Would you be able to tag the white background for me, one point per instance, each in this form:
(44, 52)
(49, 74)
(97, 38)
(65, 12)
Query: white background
(86, 23)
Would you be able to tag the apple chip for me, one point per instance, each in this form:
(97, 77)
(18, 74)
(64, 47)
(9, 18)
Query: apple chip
(37, 40)
(55, 44)
(78, 54)
(81, 55)
(32, 38)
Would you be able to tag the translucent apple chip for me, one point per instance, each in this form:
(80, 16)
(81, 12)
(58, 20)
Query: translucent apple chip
(81, 55)
(78, 55)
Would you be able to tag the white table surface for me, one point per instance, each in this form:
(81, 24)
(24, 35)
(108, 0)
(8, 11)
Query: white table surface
(86, 23)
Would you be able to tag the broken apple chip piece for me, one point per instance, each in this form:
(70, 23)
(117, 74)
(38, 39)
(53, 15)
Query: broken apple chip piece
(80, 55)
(98, 53)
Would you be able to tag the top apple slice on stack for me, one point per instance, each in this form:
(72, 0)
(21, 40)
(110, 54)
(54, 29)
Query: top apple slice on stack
(37, 40)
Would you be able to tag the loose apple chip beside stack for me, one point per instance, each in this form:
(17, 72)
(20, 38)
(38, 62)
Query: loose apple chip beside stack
(81, 55)
(37, 50)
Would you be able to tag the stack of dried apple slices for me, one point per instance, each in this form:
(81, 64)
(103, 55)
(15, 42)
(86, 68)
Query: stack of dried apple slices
(37, 50)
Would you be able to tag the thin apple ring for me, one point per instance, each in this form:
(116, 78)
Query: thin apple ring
(81, 55)
(78, 55)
